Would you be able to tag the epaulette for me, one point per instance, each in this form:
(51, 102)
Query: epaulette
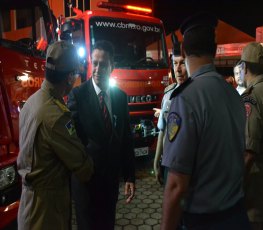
(247, 91)
(181, 87)
(63, 107)
(170, 87)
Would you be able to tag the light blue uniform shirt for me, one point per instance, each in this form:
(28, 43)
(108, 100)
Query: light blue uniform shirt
(206, 126)
(166, 102)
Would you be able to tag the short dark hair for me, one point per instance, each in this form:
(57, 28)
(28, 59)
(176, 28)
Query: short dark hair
(254, 68)
(200, 41)
(56, 77)
(106, 46)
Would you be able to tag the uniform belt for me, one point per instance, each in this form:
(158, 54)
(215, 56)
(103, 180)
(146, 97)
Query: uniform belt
(196, 219)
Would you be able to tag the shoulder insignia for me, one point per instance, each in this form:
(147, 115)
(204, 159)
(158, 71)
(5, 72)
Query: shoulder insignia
(170, 87)
(181, 87)
(248, 99)
(173, 125)
(63, 107)
(70, 127)
(248, 109)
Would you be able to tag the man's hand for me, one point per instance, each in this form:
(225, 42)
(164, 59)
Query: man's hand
(129, 191)
(156, 112)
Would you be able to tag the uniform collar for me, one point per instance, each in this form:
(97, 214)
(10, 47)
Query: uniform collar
(50, 88)
(252, 84)
(203, 69)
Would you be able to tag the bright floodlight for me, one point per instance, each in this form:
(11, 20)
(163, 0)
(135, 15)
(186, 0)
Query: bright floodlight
(81, 52)
(112, 82)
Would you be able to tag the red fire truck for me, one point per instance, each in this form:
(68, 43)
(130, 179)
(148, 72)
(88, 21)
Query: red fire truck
(227, 55)
(26, 29)
(141, 60)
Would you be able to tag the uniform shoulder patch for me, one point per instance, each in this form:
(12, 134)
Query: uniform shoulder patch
(248, 99)
(174, 122)
(70, 127)
(181, 87)
(63, 107)
(248, 109)
(170, 87)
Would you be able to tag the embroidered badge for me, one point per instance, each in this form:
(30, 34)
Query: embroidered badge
(173, 125)
(248, 109)
(249, 99)
(70, 127)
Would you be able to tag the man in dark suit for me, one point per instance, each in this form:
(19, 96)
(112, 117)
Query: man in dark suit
(108, 141)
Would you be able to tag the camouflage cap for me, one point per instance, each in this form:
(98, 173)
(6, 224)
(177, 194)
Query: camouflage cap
(253, 52)
(62, 56)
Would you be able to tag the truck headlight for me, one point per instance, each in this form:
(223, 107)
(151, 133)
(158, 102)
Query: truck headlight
(81, 52)
(112, 82)
(7, 176)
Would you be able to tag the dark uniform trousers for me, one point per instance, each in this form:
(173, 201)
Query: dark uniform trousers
(96, 201)
(234, 218)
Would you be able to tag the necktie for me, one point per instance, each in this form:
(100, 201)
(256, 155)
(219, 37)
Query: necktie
(105, 113)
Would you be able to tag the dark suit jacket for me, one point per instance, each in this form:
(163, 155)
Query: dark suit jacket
(112, 155)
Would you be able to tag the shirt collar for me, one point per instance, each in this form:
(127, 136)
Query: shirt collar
(204, 69)
(98, 90)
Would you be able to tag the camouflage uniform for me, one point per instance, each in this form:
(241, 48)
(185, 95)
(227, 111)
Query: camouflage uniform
(253, 99)
(49, 151)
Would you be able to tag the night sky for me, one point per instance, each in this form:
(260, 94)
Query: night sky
(244, 15)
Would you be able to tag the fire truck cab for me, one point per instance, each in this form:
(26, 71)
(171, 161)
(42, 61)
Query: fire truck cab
(141, 59)
(26, 27)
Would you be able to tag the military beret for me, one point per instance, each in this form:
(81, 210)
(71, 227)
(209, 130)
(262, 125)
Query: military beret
(200, 19)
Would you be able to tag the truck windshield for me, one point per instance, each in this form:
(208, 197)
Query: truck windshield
(137, 45)
(27, 29)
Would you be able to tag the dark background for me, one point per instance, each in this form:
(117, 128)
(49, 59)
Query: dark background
(244, 15)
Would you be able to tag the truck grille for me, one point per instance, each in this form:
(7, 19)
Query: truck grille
(142, 98)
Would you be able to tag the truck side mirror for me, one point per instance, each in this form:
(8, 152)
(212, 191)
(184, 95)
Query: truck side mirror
(68, 27)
